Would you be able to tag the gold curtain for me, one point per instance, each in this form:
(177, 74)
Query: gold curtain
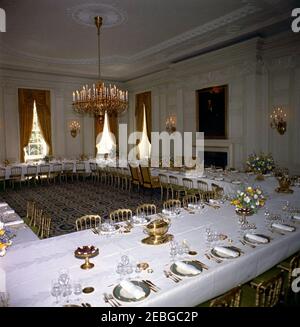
(42, 99)
(25, 118)
(140, 100)
(99, 124)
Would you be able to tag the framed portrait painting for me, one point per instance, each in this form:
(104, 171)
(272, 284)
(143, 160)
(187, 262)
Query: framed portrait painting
(212, 112)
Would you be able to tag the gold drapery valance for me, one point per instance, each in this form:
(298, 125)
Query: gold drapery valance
(142, 99)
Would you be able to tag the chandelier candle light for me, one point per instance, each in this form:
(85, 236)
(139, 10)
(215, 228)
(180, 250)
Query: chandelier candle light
(100, 98)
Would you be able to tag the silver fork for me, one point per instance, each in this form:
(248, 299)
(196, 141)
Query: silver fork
(168, 274)
(112, 299)
(246, 243)
(215, 259)
(106, 300)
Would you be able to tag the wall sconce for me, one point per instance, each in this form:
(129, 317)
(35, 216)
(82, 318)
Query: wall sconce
(171, 124)
(74, 128)
(278, 120)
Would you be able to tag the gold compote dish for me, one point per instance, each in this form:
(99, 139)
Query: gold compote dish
(86, 252)
(284, 185)
(157, 231)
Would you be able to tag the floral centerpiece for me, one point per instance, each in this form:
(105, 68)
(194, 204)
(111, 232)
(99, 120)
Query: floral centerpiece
(248, 201)
(260, 164)
(48, 158)
(6, 237)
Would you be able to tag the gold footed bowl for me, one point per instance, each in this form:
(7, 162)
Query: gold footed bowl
(284, 190)
(86, 256)
(244, 212)
(158, 240)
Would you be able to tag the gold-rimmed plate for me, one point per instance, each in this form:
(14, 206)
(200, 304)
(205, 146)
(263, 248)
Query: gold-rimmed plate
(257, 241)
(177, 271)
(120, 294)
(222, 255)
(116, 228)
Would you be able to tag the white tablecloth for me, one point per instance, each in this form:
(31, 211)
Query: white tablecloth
(25, 165)
(30, 267)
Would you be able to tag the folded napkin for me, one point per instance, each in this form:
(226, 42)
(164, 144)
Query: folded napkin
(132, 290)
(184, 268)
(219, 178)
(2, 205)
(226, 251)
(13, 223)
(8, 212)
(214, 202)
(236, 182)
(296, 217)
(286, 228)
(256, 238)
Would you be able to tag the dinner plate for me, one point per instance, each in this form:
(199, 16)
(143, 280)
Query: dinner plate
(223, 255)
(236, 182)
(252, 241)
(120, 294)
(117, 227)
(177, 271)
(144, 222)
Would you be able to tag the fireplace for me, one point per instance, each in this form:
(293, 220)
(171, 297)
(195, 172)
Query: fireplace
(215, 158)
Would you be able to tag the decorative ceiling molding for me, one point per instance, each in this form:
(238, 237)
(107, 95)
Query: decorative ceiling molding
(84, 14)
(199, 31)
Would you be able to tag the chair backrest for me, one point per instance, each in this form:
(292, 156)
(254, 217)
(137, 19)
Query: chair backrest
(146, 176)
(80, 166)
(44, 169)
(45, 227)
(87, 222)
(134, 173)
(187, 183)
(57, 168)
(163, 179)
(120, 215)
(173, 180)
(202, 186)
(93, 166)
(68, 166)
(218, 191)
(31, 170)
(147, 208)
(16, 171)
(230, 299)
(30, 209)
(268, 293)
(172, 203)
(2, 173)
(189, 199)
(37, 217)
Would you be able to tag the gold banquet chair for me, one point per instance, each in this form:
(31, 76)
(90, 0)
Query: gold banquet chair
(31, 174)
(56, 172)
(30, 210)
(80, 170)
(189, 199)
(288, 267)
(44, 173)
(68, 171)
(264, 290)
(176, 188)
(15, 176)
(87, 222)
(146, 208)
(2, 177)
(135, 176)
(172, 203)
(229, 299)
(164, 185)
(188, 185)
(217, 190)
(120, 215)
(149, 181)
(44, 230)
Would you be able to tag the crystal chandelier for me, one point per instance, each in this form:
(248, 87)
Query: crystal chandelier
(100, 98)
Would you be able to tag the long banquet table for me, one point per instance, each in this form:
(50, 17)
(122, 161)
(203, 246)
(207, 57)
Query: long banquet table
(31, 266)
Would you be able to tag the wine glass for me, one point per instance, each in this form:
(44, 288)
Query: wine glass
(77, 289)
(119, 271)
(64, 277)
(137, 270)
(67, 292)
(56, 290)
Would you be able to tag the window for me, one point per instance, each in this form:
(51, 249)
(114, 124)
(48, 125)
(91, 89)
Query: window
(37, 147)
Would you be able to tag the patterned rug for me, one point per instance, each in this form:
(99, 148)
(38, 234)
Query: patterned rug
(67, 201)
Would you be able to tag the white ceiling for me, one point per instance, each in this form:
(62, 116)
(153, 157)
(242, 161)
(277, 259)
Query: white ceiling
(138, 37)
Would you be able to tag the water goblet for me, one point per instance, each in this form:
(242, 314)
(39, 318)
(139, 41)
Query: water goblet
(56, 290)
(67, 292)
(77, 289)
(64, 277)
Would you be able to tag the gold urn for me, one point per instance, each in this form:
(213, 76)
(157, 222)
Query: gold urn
(157, 231)
(284, 185)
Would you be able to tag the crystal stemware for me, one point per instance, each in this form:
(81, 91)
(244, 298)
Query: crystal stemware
(56, 290)
(77, 289)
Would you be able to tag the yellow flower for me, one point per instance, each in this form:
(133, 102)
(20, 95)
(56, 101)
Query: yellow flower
(2, 232)
(2, 246)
